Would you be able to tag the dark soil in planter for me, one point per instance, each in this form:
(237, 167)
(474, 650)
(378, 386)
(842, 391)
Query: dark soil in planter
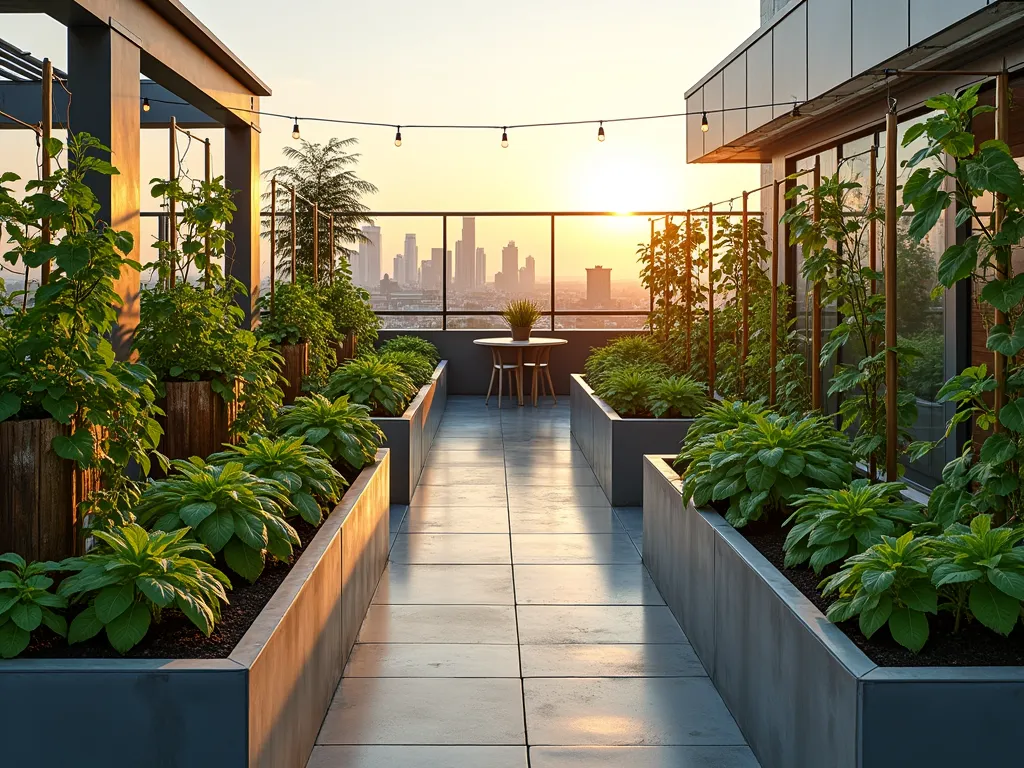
(175, 637)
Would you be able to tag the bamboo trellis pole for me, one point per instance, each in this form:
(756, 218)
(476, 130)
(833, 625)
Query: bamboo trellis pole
(773, 340)
(294, 244)
(711, 299)
(891, 359)
(47, 167)
(816, 324)
(273, 240)
(172, 204)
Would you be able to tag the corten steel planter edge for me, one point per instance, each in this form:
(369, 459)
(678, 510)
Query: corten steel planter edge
(262, 706)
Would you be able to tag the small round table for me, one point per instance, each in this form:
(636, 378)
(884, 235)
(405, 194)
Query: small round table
(543, 347)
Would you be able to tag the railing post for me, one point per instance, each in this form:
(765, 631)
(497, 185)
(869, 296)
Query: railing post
(444, 273)
(172, 205)
(552, 272)
(273, 240)
(47, 128)
(773, 341)
(816, 324)
(891, 235)
(711, 299)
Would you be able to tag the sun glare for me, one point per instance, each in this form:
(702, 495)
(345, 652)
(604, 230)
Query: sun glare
(624, 183)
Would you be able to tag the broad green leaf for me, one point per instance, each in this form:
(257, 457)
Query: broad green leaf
(770, 457)
(958, 263)
(993, 608)
(217, 530)
(1011, 415)
(909, 628)
(1004, 295)
(309, 510)
(128, 629)
(760, 478)
(28, 616)
(251, 530)
(993, 170)
(197, 611)
(244, 560)
(1009, 582)
(13, 640)
(194, 514)
(1001, 339)
(998, 448)
(874, 619)
(877, 581)
(84, 626)
(112, 601)
(160, 592)
(919, 595)
(78, 447)
(10, 404)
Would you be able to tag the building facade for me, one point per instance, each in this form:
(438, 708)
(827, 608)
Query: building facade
(480, 268)
(410, 262)
(599, 287)
(366, 270)
(510, 266)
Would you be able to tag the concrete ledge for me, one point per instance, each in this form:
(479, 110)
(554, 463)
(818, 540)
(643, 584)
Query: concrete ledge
(259, 708)
(802, 692)
(410, 435)
(615, 446)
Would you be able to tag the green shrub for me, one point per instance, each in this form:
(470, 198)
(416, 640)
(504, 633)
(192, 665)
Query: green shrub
(412, 344)
(831, 524)
(228, 510)
(26, 603)
(632, 350)
(414, 365)
(134, 577)
(304, 470)
(299, 317)
(371, 381)
(340, 428)
(350, 310)
(628, 390)
(765, 465)
(890, 584)
(677, 397)
(718, 417)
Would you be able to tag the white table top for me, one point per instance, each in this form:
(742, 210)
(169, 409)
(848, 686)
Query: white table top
(506, 341)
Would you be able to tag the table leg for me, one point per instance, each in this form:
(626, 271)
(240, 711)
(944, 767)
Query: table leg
(519, 373)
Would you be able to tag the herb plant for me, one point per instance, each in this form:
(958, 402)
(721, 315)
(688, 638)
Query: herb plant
(26, 603)
(890, 584)
(414, 365)
(677, 397)
(633, 350)
(137, 574)
(350, 310)
(340, 428)
(831, 524)
(412, 344)
(628, 390)
(372, 381)
(304, 470)
(722, 416)
(227, 508)
(299, 317)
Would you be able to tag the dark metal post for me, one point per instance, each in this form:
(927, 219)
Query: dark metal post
(273, 240)
(331, 251)
(172, 205)
(816, 324)
(1004, 264)
(316, 244)
(444, 273)
(208, 176)
(650, 281)
(668, 271)
(891, 360)
(773, 340)
(552, 272)
(47, 128)
(711, 299)
(294, 244)
(873, 263)
(745, 339)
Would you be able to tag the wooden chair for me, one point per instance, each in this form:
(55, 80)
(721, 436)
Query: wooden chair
(498, 367)
(541, 371)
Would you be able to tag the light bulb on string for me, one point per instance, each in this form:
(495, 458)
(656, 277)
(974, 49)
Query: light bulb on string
(398, 135)
(145, 105)
(600, 131)
(295, 130)
(704, 122)
(796, 110)
(504, 138)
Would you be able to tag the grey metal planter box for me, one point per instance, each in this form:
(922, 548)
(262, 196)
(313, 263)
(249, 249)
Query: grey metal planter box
(259, 708)
(804, 695)
(615, 446)
(410, 435)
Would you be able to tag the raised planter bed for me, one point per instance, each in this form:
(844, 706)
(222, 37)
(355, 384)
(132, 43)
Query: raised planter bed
(410, 435)
(196, 420)
(615, 446)
(294, 369)
(261, 706)
(802, 692)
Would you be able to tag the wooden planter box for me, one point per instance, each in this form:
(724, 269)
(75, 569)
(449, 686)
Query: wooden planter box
(344, 349)
(40, 492)
(294, 369)
(196, 420)
(410, 435)
(259, 708)
(615, 446)
(804, 695)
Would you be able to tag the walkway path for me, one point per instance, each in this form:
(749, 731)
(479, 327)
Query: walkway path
(515, 611)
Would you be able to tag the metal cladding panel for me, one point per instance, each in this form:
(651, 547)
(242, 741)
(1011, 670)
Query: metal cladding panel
(694, 136)
(881, 29)
(928, 17)
(713, 100)
(789, 61)
(829, 44)
(735, 92)
(759, 82)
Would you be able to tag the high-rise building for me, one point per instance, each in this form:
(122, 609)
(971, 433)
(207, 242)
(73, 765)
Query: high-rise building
(411, 262)
(510, 266)
(366, 270)
(599, 287)
(450, 268)
(465, 259)
(480, 269)
(399, 270)
(433, 282)
(458, 268)
(528, 279)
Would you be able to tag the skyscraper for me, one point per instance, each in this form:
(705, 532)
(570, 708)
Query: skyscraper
(399, 271)
(458, 268)
(480, 271)
(411, 262)
(434, 281)
(529, 274)
(366, 271)
(510, 266)
(599, 287)
(465, 267)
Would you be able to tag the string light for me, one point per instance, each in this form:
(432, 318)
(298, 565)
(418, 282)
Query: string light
(398, 135)
(504, 138)
(600, 131)
(295, 130)
(145, 105)
(704, 122)
(796, 110)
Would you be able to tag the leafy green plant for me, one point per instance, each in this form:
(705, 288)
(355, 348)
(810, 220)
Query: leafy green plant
(412, 344)
(350, 310)
(831, 524)
(631, 350)
(521, 313)
(414, 365)
(380, 384)
(55, 357)
(765, 465)
(677, 397)
(980, 569)
(228, 509)
(890, 584)
(722, 416)
(298, 317)
(130, 581)
(340, 428)
(26, 603)
(304, 470)
(628, 390)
